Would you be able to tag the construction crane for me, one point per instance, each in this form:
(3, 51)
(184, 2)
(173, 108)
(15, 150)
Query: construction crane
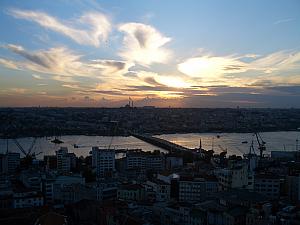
(27, 153)
(261, 144)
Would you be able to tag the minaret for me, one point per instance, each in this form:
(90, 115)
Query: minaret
(200, 145)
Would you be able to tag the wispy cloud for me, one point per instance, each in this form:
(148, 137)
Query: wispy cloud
(96, 32)
(63, 64)
(36, 76)
(109, 67)
(8, 63)
(144, 44)
(73, 86)
(283, 21)
(234, 70)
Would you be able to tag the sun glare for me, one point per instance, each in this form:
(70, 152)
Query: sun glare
(170, 81)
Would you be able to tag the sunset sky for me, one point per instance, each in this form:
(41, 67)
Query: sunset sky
(165, 53)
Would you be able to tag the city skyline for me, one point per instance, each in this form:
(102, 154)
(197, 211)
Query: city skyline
(161, 53)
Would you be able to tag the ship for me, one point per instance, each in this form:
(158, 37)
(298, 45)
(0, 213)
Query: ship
(57, 141)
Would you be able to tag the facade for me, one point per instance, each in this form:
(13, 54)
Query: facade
(155, 162)
(131, 192)
(104, 162)
(268, 185)
(9, 162)
(293, 188)
(236, 175)
(195, 189)
(173, 162)
(53, 186)
(161, 189)
(135, 160)
(144, 161)
(63, 161)
(107, 190)
(27, 199)
(3, 164)
(31, 179)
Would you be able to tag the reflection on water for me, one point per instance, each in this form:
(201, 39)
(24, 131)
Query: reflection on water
(230, 141)
(236, 143)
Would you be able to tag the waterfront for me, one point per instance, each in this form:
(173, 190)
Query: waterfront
(230, 141)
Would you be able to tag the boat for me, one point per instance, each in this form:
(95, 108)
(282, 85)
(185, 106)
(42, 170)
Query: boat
(244, 142)
(57, 141)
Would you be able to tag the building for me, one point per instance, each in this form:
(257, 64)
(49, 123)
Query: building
(236, 175)
(104, 162)
(173, 162)
(195, 189)
(107, 190)
(27, 199)
(293, 188)
(155, 162)
(131, 192)
(10, 162)
(50, 161)
(161, 189)
(144, 161)
(135, 160)
(63, 161)
(53, 186)
(31, 179)
(267, 184)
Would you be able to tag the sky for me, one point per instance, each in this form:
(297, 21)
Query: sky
(163, 53)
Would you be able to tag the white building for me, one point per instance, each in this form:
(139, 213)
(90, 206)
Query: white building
(194, 189)
(237, 175)
(104, 162)
(144, 161)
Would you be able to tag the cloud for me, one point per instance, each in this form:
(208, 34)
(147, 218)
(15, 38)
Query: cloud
(36, 76)
(143, 44)
(207, 66)
(18, 90)
(63, 64)
(8, 63)
(96, 33)
(283, 21)
(277, 61)
(111, 66)
(73, 86)
(243, 70)
(59, 61)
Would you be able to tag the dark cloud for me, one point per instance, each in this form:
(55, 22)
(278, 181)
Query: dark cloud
(117, 65)
(44, 59)
(141, 36)
(293, 90)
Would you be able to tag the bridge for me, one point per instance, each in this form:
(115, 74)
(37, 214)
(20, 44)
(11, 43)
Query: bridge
(161, 143)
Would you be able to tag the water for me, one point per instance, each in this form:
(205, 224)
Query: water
(84, 143)
(230, 141)
(233, 141)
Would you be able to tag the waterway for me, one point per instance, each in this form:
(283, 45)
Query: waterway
(218, 141)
